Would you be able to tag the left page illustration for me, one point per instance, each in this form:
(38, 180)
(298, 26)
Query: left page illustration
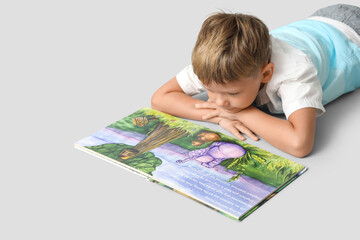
(219, 171)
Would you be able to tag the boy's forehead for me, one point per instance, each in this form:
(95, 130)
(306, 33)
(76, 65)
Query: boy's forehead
(225, 87)
(241, 82)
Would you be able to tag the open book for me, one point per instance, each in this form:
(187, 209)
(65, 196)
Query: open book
(221, 172)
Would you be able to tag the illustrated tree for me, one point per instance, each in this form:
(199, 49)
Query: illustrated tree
(167, 129)
(163, 129)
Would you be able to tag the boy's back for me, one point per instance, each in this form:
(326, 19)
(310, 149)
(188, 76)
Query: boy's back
(232, 62)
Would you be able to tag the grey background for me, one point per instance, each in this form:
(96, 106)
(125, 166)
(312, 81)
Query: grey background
(69, 68)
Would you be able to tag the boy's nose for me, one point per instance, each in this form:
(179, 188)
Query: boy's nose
(221, 101)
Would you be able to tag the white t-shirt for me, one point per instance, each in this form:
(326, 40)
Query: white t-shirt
(294, 84)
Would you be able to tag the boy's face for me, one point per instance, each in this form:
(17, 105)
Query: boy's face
(236, 96)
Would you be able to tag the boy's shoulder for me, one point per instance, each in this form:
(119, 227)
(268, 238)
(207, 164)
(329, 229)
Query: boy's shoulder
(288, 60)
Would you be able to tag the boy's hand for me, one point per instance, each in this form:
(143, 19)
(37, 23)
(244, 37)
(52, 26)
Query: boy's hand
(228, 121)
(214, 111)
(236, 128)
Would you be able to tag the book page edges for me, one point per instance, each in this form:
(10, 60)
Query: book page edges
(271, 195)
(117, 163)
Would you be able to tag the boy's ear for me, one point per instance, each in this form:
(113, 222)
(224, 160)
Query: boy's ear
(267, 72)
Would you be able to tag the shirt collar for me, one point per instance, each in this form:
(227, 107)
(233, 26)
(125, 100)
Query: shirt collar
(262, 98)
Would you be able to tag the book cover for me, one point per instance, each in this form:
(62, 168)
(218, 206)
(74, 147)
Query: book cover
(221, 172)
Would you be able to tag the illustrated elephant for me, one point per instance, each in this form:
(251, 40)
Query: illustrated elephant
(214, 154)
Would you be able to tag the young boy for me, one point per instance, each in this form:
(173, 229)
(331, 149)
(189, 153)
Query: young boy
(294, 70)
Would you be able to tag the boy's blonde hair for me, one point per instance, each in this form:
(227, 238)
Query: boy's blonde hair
(230, 46)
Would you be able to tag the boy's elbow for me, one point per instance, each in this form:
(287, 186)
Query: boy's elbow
(301, 153)
(302, 149)
(157, 101)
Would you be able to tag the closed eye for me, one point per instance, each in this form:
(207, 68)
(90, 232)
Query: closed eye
(233, 94)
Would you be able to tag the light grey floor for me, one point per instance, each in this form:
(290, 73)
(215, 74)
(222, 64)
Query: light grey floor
(69, 68)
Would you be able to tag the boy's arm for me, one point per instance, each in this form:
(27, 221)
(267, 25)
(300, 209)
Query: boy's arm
(171, 99)
(294, 136)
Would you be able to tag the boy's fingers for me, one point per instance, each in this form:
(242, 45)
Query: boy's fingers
(232, 129)
(205, 105)
(246, 131)
(254, 137)
(198, 105)
(237, 134)
(210, 115)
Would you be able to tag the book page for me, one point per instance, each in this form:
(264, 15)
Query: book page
(215, 169)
